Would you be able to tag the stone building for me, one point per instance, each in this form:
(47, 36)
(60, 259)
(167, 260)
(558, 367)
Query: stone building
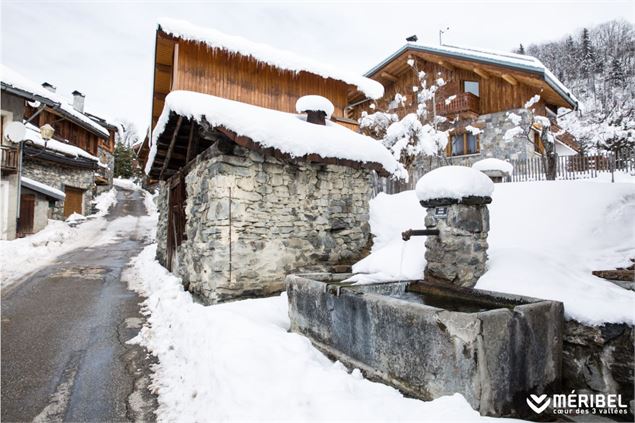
(55, 177)
(289, 196)
(251, 187)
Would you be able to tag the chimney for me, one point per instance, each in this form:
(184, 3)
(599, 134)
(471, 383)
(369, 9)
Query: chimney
(78, 101)
(50, 87)
(317, 108)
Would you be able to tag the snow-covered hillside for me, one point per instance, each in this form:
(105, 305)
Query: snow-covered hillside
(545, 240)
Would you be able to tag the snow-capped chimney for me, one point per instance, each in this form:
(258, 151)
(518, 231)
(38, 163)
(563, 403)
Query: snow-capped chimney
(317, 108)
(49, 86)
(78, 101)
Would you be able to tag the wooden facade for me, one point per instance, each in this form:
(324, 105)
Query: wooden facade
(67, 130)
(500, 88)
(194, 66)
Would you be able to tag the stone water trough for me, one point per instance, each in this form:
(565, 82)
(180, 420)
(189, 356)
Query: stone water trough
(438, 336)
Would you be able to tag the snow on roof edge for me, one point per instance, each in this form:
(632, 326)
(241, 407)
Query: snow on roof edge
(524, 62)
(42, 188)
(287, 132)
(262, 52)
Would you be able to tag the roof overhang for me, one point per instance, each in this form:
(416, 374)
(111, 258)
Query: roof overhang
(527, 68)
(43, 189)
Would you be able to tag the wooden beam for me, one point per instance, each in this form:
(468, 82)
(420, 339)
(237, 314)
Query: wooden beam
(171, 148)
(164, 68)
(389, 76)
(190, 143)
(507, 77)
(480, 72)
(446, 65)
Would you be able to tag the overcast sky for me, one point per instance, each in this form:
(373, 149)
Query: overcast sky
(105, 49)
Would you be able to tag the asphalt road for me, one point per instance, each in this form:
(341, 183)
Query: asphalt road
(64, 328)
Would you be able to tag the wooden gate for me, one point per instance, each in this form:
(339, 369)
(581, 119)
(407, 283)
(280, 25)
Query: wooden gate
(73, 203)
(176, 217)
(27, 214)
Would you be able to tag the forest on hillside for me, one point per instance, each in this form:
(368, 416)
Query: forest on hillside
(598, 65)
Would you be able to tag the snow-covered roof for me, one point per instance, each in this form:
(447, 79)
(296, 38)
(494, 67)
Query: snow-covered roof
(454, 182)
(491, 57)
(286, 132)
(264, 53)
(12, 79)
(42, 188)
(33, 134)
(492, 163)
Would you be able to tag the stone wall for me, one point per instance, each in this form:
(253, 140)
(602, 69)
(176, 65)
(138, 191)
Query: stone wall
(57, 176)
(599, 359)
(162, 223)
(107, 158)
(252, 219)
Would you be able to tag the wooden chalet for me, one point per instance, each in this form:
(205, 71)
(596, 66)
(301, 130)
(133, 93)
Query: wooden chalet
(206, 61)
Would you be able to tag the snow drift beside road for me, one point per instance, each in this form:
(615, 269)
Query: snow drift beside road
(237, 362)
(545, 240)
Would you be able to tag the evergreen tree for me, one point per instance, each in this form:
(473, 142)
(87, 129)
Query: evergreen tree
(587, 55)
(521, 49)
(616, 75)
(124, 156)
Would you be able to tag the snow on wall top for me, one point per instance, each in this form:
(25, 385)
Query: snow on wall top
(33, 134)
(314, 102)
(454, 182)
(286, 132)
(264, 53)
(43, 188)
(493, 164)
(13, 79)
(519, 61)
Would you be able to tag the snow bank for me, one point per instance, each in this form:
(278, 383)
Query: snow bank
(104, 201)
(128, 184)
(454, 182)
(286, 132)
(314, 102)
(13, 79)
(493, 164)
(545, 240)
(264, 53)
(238, 362)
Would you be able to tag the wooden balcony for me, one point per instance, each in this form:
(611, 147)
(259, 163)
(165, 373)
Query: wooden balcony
(9, 159)
(462, 103)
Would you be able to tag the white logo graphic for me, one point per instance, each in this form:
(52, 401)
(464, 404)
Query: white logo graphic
(538, 400)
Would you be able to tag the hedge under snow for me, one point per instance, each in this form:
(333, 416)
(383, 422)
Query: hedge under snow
(287, 132)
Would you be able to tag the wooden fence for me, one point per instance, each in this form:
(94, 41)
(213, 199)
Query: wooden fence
(568, 168)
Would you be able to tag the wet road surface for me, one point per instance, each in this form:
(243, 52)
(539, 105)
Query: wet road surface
(64, 328)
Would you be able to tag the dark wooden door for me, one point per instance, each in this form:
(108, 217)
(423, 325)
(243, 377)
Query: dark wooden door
(27, 214)
(176, 217)
(73, 201)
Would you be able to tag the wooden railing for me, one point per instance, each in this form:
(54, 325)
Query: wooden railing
(463, 102)
(9, 159)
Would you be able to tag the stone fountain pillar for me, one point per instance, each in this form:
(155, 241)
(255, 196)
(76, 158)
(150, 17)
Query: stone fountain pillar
(456, 200)
(458, 254)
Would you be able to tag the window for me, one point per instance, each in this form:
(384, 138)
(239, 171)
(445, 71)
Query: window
(471, 87)
(462, 144)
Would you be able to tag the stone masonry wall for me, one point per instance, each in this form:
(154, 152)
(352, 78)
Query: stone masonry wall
(162, 223)
(284, 218)
(58, 177)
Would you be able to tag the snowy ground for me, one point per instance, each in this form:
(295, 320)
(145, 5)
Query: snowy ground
(545, 240)
(238, 362)
(23, 256)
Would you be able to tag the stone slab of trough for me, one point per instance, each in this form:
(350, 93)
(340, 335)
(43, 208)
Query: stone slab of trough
(494, 358)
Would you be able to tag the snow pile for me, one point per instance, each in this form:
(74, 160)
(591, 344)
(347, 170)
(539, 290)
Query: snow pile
(104, 201)
(545, 240)
(264, 53)
(75, 218)
(535, 99)
(493, 164)
(33, 135)
(286, 132)
(314, 103)
(238, 362)
(514, 118)
(128, 184)
(13, 79)
(454, 182)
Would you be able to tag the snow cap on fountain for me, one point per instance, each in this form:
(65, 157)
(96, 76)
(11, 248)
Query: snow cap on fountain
(454, 184)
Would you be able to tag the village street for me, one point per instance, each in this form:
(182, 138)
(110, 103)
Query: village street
(65, 327)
